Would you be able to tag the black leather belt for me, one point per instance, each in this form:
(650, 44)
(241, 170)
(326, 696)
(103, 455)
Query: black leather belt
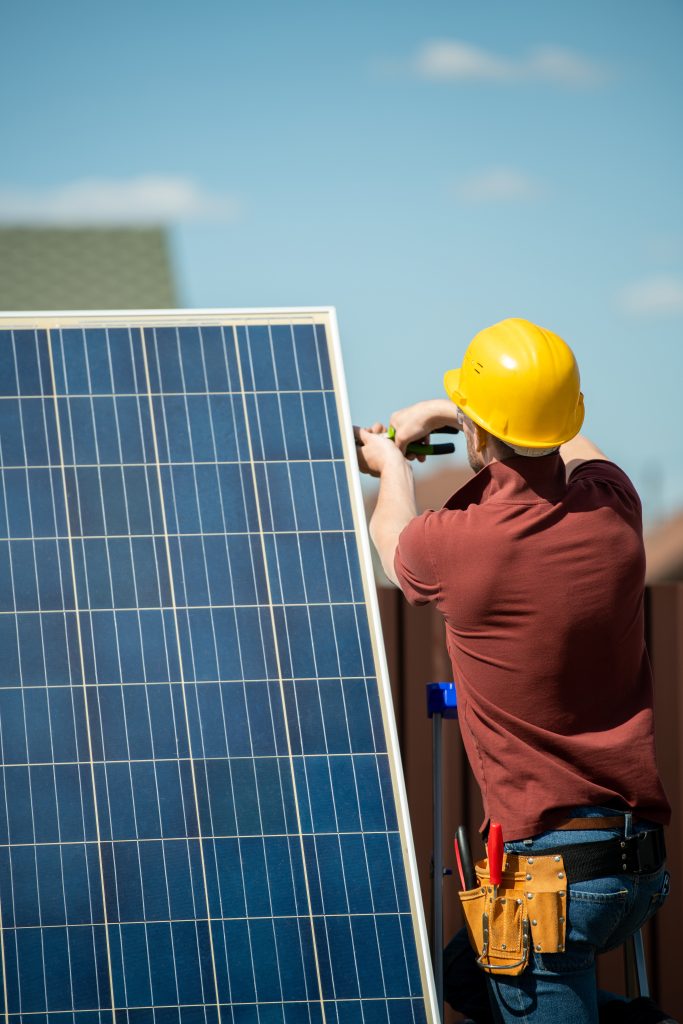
(641, 854)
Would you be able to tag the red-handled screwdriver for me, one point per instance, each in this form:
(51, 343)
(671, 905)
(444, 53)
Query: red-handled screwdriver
(495, 855)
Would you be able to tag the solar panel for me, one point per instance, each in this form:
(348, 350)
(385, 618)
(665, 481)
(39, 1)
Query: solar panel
(202, 814)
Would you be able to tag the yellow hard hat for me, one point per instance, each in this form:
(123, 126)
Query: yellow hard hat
(521, 383)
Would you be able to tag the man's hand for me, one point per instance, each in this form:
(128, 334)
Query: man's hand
(374, 449)
(416, 422)
(379, 456)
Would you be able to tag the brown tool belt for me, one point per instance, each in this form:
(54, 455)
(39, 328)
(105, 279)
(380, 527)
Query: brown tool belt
(581, 824)
(527, 909)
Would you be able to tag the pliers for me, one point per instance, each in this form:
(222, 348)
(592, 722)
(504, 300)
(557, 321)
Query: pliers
(418, 448)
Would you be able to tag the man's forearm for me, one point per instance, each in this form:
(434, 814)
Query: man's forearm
(443, 413)
(395, 508)
(577, 451)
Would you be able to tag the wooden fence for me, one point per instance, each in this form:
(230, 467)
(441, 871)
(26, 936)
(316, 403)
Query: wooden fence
(416, 653)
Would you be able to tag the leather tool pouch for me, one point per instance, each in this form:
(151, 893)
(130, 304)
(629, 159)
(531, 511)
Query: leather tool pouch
(529, 911)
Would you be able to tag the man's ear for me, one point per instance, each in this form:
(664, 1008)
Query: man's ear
(480, 438)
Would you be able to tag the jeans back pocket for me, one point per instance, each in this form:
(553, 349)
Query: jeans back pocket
(595, 915)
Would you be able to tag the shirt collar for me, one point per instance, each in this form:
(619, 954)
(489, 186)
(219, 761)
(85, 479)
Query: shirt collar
(519, 480)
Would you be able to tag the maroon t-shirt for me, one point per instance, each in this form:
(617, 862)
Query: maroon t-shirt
(540, 583)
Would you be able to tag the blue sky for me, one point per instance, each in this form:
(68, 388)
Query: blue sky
(427, 169)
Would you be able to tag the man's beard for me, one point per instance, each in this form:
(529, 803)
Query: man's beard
(473, 456)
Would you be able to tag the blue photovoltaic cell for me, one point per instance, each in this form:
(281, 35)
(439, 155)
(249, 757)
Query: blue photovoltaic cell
(197, 816)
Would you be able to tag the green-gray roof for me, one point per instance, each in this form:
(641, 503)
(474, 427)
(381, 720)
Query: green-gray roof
(46, 268)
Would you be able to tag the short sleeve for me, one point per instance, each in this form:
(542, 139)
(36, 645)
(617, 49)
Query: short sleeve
(414, 562)
(601, 473)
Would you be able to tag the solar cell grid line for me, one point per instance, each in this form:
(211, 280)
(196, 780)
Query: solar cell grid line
(314, 659)
(164, 858)
(68, 428)
(12, 583)
(348, 567)
(327, 585)
(61, 864)
(138, 865)
(365, 851)
(194, 784)
(108, 579)
(281, 780)
(242, 842)
(51, 741)
(30, 781)
(72, 567)
(128, 753)
(215, 646)
(189, 428)
(291, 862)
(249, 438)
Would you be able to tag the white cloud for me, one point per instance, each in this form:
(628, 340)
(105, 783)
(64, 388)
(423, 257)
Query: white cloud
(554, 64)
(454, 60)
(151, 199)
(500, 185)
(451, 59)
(653, 295)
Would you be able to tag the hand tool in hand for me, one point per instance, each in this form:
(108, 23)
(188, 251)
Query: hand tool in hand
(418, 448)
(463, 855)
(495, 856)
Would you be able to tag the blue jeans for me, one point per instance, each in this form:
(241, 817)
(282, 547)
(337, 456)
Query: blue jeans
(602, 914)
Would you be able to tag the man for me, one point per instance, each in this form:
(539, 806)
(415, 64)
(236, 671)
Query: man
(537, 565)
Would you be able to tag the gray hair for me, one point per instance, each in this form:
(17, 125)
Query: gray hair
(530, 453)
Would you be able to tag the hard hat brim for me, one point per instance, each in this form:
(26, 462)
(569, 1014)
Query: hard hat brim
(451, 382)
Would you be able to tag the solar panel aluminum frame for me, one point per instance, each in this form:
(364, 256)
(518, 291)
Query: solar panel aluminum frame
(326, 317)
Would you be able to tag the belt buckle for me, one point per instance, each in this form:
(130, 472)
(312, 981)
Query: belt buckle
(648, 852)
